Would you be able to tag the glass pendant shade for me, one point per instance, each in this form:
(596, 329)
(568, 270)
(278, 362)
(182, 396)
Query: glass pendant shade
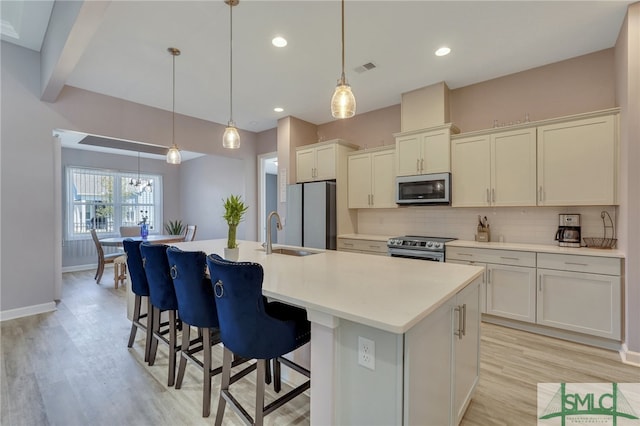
(343, 103)
(173, 155)
(231, 138)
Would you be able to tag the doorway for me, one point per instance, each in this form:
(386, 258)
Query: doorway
(268, 193)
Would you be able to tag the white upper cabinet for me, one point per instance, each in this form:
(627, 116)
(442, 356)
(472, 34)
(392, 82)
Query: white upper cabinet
(425, 151)
(471, 171)
(371, 179)
(319, 161)
(577, 162)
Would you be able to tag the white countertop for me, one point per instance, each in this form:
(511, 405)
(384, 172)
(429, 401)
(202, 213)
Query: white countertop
(392, 294)
(538, 248)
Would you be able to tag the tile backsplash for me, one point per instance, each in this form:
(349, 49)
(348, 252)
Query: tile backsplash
(533, 225)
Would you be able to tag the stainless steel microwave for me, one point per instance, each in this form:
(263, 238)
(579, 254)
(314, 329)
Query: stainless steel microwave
(424, 189)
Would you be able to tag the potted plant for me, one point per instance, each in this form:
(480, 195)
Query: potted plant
(234, 210)
(174, 227)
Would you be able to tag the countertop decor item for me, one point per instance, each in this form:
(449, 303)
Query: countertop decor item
(604, 242)
(234, 210)
(483, 234)
(173, 155)
(231, 138)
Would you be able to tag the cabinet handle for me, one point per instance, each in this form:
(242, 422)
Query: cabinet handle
(371, 199)
(417, 164)
(421, 164)
(540, 193)
(348, 244)
(509, 258)
(488, 276)
(374, 247)
(540, 283)
(464, 319)
(488, 199)
(493, 195)
(464, 254)
(458, 332)
(575, 263)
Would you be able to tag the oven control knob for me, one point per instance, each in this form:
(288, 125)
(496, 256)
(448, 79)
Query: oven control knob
(437, 245)
(430, 244)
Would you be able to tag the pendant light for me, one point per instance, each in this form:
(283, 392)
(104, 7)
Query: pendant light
(231, 138)
(140, 186)
(173, 155)
(343, 103)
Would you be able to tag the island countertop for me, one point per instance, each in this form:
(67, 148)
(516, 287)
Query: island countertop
(391, 294)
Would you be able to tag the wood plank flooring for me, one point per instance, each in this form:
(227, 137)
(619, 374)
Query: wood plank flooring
(72, 367)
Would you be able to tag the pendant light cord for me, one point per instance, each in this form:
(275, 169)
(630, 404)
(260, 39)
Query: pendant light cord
(342, 77)
(231, 61)
(173, 105)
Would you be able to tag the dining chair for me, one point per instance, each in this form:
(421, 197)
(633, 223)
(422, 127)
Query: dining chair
(139, 287)
(163, 299)
(129, 231)
(102, 258)
(119, 270)
(197, 308)
(252, 328)
(190, 233)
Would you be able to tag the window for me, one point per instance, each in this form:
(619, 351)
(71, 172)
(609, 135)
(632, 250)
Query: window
(106, 200)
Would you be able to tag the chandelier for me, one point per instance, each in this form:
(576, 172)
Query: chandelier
(140, 186)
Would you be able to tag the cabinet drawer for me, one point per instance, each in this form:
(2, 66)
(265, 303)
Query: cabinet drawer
(577, 263)
(502, 257)
(371, 246)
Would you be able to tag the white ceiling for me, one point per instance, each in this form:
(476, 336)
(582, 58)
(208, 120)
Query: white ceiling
(127, 57)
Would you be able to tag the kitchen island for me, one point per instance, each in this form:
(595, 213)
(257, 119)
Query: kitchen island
(422, 317)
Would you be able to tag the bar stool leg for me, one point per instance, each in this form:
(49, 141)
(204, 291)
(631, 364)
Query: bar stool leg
(173, 337)
(154, 340)
(148, 338)
(186, 338)
(206, 394)
(261, 366)
(224, 386)
(136, 317)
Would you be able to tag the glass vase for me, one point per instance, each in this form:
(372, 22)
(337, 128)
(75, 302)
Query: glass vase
(144, 230)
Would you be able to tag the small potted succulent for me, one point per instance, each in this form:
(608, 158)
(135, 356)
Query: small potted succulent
(234, 210)
(174, 227)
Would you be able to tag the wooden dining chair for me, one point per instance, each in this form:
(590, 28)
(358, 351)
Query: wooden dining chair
(102, 258)
(190, 234)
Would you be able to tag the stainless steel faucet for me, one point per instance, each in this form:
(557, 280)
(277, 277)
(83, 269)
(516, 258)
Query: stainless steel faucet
(268, 249)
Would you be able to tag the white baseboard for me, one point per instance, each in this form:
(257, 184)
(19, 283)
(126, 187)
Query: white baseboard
(27, 311)
(629, 357)
(76, 268)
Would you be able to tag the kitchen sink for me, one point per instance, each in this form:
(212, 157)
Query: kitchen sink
(292, 252)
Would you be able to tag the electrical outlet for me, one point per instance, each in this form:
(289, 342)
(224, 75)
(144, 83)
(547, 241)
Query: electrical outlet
(366, 353)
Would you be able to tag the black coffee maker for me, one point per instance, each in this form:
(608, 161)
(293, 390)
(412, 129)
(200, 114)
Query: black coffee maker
(568, 234)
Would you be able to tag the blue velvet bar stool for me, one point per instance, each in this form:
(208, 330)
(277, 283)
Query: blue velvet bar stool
(163, 298)
(197, 308)
(252, 328)
(140, 288)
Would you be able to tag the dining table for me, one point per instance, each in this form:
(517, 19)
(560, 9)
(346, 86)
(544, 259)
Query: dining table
(153, 238)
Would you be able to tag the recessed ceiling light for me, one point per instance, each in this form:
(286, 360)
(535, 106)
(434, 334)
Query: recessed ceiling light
(279, 41)
(278, 109)
(443, 51)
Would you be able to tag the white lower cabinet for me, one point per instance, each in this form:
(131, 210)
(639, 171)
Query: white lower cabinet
(439, 390)
(357, 245)
(583, 302)
(511, 292)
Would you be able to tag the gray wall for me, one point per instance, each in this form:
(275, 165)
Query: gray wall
(271, 201)
(30, 220)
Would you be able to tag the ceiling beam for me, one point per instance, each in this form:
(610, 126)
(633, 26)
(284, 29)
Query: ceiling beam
(71, 28)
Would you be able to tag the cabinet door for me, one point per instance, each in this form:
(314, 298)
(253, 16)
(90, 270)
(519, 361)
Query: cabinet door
(408, 155)
(383, 179)
(436, 152)
(513, 168)
(586, 303)
(359, 184)
(325, 162)
(483, 281)
(466, 366)
(577, 163)
(511, 292)
(305, 165)
(470, 171)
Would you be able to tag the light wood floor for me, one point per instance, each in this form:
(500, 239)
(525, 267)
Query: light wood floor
(72, 367)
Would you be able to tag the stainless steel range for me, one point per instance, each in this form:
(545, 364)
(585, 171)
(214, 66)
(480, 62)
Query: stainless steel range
(416, 247)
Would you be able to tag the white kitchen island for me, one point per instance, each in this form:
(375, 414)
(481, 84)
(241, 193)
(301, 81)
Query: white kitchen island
(423, 318)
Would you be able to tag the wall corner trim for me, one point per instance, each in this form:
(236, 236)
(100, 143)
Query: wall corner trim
(629, 357)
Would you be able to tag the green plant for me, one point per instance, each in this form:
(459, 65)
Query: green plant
(174, 227)
(234, 210)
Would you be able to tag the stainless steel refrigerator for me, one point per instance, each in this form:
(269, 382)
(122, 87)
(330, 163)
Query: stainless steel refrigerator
(311, 215)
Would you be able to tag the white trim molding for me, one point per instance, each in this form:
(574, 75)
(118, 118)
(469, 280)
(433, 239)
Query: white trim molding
(27, 311)
(629, 357)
